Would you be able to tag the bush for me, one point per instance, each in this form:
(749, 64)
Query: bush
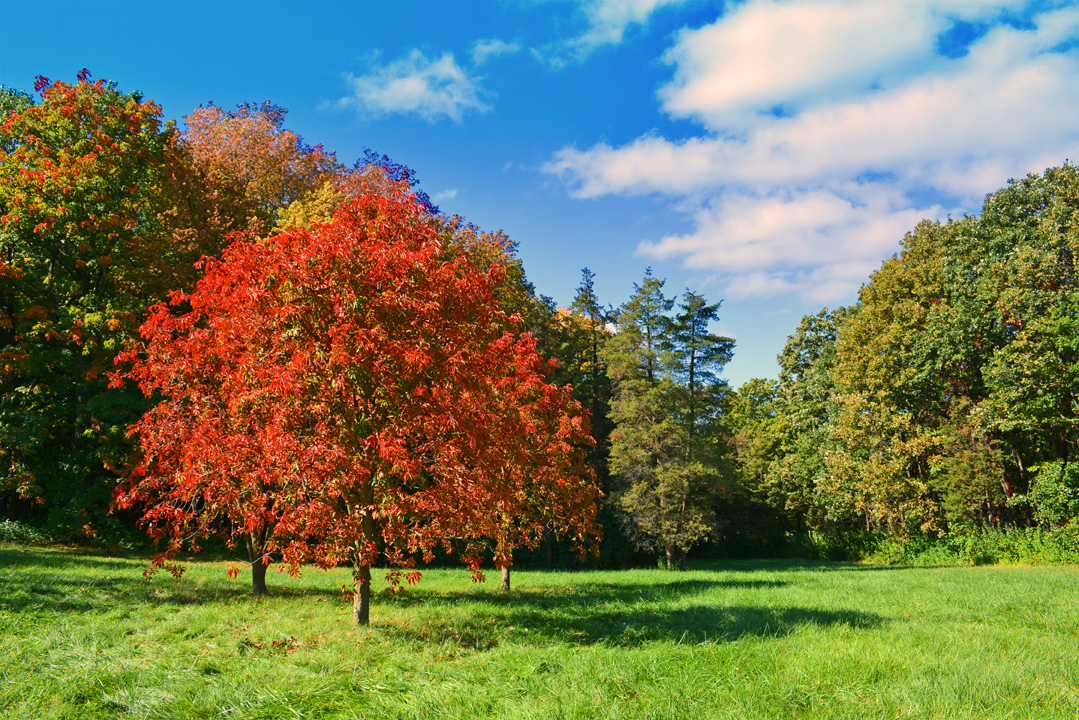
(1014, 546)
(848, 545)
(14, 531)
(1054, 494)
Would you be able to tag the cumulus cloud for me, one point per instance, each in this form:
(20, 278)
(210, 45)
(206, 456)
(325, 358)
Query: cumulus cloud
(768, 55)
(415, 84)
(822, 121)
(817, 243)
(988, 110)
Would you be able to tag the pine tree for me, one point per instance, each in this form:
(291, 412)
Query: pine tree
(594, 318)
(666, 402)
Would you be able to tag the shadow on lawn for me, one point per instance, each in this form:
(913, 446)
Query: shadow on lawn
(584, 611)
(622, 615)
(785, 565)
(64, 581)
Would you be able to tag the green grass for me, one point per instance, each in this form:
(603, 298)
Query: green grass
(86, 636)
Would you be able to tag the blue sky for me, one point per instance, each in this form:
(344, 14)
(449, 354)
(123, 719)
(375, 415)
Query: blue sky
(768, 153)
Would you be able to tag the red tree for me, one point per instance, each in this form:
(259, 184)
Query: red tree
(354, 393)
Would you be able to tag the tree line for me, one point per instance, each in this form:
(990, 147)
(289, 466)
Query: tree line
(228, 334)
(286, 356)
(946, 400)
(944, 403)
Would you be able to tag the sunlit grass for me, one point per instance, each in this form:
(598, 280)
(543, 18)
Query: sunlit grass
(86, 636)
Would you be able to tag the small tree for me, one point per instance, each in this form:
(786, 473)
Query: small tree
(367, 366)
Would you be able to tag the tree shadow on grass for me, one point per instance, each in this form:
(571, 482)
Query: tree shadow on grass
(618, 615)
(785, 565)
(630, 627)
(618, 611)
(63, 581)
(51, 558)
(581, 594)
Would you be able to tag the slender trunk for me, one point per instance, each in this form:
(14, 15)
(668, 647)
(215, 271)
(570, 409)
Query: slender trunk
(548, 541)
(1022, 475)
(505, 578)
(692, 399)
(258, 577)
(259, 562)
(361, 573)
(669, 554)
(595, 406)
(361, 595)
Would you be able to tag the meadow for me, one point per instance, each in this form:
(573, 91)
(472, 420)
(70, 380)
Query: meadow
(88, 636)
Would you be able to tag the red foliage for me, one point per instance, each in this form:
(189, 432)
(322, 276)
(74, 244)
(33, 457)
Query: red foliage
(355, 394)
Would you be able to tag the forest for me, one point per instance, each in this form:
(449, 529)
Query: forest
(217, 336)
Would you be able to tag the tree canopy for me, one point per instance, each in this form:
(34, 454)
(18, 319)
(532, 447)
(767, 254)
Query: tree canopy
(353, 393)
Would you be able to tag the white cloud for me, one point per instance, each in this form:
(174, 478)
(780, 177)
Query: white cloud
(988, 111)
(806, 200)
(609, 19)
(414, 84)
(813, 242)
(448, 194)
(607, 23)
(768, 54)
(484, 50)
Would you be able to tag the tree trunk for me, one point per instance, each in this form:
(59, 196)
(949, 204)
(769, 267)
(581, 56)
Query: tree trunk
(361, 595)
(361, 574)
(259, 563)
(258, 577)
(548, 541)
(669, 553)
(505, 578)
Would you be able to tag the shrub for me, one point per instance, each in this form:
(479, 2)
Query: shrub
(14, 531)
(1013, 546)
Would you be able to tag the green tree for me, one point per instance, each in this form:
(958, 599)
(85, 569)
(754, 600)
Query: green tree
(758, 431)
(892, 390)
(85, 247)
(956, 373)
(667, 398)
(595, 388)
(1028, 288)
(1054, 494)
(805, 404)
(697, 357)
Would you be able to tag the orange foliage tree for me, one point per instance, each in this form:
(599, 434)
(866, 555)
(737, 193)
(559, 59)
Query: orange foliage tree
(251, 165)
(353, 393)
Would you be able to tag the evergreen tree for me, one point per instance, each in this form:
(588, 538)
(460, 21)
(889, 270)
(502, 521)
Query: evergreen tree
(664, 450)
(592, 375)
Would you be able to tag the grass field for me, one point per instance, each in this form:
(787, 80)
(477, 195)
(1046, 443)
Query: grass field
(86, 636)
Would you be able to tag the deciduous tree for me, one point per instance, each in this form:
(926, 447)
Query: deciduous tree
(367, 367)
(85, 248)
